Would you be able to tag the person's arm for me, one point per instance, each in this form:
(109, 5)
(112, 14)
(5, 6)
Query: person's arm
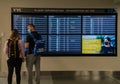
(27, 45)
(5, 50)
(21, 46)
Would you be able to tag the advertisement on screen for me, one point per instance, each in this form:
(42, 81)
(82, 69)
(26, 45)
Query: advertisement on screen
(98, 44)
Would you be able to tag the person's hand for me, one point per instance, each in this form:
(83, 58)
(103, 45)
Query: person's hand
(23, 59)
(7, 58)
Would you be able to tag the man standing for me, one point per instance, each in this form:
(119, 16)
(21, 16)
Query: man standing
(30, 58)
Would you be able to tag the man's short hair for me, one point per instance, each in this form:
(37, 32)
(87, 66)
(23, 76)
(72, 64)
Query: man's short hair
(31, 25)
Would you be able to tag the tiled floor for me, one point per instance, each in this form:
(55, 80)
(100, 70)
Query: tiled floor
(46, 78)
(67, 78)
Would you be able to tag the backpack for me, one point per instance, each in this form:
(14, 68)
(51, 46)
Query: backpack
(39, 45)
(13, 49)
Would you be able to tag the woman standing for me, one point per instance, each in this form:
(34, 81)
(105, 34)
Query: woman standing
(14, 51)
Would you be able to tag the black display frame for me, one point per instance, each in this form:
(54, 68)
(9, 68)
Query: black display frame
(72, 11)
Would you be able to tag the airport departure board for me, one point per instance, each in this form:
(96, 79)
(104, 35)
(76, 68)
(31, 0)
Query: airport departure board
(70, 32)
(99, 24)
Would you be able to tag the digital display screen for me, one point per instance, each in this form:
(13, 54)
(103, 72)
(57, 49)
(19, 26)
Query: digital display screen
(67, 44)
(65, 24)
(71, 34)
(95, 44)
(99, 24)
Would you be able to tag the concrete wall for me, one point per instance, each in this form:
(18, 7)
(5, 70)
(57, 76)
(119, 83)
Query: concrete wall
(60, 63)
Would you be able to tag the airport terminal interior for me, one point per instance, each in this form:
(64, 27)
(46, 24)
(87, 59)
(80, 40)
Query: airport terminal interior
(70, 29)
(71, 77)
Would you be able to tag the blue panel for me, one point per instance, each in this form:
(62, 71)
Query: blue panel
(105, 24)
(65, 24)
(69, 44)
(21, 22)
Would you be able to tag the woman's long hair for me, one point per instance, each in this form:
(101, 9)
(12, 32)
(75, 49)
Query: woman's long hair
(14, 35)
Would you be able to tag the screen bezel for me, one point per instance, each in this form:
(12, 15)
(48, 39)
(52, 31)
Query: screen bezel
(81, 14)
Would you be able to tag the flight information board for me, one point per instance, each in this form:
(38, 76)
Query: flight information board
(21, 21)
(67, 44)
(70, 32)
(99, 24)
(65, 24)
